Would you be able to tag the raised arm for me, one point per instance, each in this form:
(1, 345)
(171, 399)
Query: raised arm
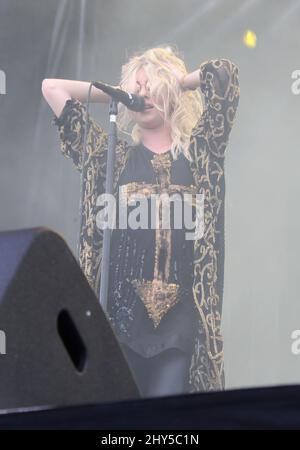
(57, 91)
(219, 84)
(66, 99)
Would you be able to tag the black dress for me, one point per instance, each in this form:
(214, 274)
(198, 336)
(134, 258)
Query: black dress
(150, 302)
(219, 85)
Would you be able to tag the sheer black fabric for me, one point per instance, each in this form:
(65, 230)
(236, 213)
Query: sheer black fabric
(133, 258)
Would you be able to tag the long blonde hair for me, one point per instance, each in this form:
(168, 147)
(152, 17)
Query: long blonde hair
(182, 109)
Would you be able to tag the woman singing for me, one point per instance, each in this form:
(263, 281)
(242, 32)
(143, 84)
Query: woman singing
(165, 292)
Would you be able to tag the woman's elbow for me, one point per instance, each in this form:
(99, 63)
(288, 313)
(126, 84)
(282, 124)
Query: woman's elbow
(47, 85)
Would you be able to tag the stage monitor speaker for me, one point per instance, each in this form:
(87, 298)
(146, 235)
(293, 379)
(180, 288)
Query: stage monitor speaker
(57, 347)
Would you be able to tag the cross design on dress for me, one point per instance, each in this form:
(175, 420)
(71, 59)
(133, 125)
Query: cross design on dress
(158, 295)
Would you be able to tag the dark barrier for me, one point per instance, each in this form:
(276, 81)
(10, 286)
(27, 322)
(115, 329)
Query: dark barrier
(263, 408)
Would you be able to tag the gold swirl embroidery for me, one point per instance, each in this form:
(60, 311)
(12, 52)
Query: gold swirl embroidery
(208, 144)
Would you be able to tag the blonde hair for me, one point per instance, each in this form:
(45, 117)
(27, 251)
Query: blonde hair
(181, 109)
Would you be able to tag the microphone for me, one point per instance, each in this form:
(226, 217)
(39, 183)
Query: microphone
(134, 102)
